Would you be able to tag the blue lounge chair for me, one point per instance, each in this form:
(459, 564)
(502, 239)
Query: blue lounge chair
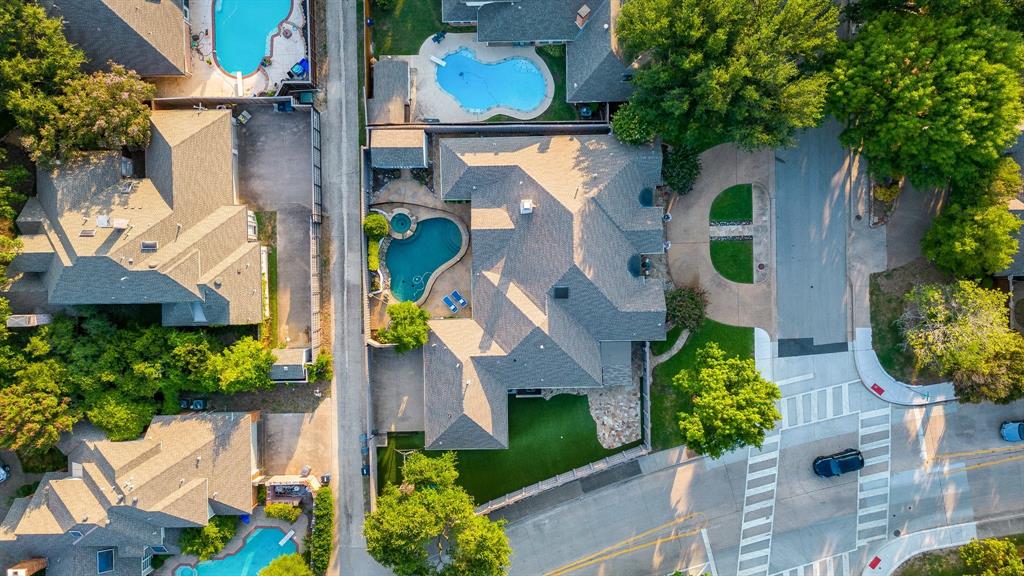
(451, 305)
(458, 298)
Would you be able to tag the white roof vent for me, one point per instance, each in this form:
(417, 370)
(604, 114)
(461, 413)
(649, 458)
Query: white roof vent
(103, 221)
(526, 206)
(120, 223)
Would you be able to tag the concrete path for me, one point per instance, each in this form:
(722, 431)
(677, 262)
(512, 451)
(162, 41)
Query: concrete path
(884, 386)
(343, 203)
(689, 258)
(895, 552)
(680, 342)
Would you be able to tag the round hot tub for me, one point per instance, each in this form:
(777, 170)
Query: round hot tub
(400, 223)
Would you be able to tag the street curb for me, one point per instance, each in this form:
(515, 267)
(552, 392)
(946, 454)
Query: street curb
(903, 548)
(885, 387)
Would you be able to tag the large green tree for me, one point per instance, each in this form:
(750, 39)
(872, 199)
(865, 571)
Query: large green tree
(122, 418)
(972, 241)
(408, 328)
(991, 557)
(961, 330)
(101, 111)
(728, 404)
(726, 70)
(430, 509)
(34, 410)
(931, 91)
(245, 365)
(287, 565)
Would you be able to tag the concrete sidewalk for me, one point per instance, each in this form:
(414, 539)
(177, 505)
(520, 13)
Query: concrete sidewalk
(898, 550)
(884, 386)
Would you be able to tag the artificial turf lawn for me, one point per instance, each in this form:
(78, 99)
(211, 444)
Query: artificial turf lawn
(559, 110)
(670, 340)
(734, 259)
(403, 28)
(734, 340)
(734, 204)
(546, 438)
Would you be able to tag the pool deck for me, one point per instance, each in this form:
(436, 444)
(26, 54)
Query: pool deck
(432, 101)
(258, 520)
(208, 79)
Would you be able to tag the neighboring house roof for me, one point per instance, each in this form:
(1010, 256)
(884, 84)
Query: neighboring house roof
(390, 92)
(125, 495)
(555, 304)
(148, 36)
(398, 149)
(594, 65)
(176, 237)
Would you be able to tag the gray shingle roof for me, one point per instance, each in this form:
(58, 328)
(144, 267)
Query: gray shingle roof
(594, 68)
(148, 36)
(586, 225)
(390, 92)
(457, 11)
(91, 223)
(398, 149)
(529, 21)
(122, 494)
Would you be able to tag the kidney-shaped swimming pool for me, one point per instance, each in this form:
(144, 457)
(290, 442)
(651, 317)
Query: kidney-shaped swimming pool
(241, 31)
(260, 549)
(515, 83)
(412, 261)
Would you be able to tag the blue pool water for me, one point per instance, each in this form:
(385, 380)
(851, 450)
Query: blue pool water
(242, 29)
(259, 550)
(516, 83)
(411, 261)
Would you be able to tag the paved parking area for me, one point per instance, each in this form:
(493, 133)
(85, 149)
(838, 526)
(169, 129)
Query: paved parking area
(396, 382)
(298, 439)
(275, 174)
(813, 181)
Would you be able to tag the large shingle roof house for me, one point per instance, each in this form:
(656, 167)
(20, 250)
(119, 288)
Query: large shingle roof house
(595, 71)
(557, 224)
(123, 501)
(176, 236)
(148, 36)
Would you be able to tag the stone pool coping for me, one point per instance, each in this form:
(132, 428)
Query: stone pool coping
(241, 544)
(433, 102)
(418, 212)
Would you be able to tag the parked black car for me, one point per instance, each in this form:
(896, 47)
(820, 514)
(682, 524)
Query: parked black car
(195, 404)
(848, 460)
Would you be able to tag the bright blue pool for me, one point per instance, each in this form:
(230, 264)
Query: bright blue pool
(411, 261)
(515, 83)
(242, 29)
(259, 550)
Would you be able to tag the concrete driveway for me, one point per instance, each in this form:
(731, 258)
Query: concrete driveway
(813, 184)
(275, 174)
(299, 439)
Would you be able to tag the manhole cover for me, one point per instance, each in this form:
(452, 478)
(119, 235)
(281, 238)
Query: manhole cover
(895, 532)
(760, 266)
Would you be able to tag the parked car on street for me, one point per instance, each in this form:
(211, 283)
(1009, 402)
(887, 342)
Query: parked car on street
(5, 472)
(849, 460)
(1012, 431)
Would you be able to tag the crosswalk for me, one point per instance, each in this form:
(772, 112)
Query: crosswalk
(873, 481)
(815, 406)
(758, 508)
(838, 565)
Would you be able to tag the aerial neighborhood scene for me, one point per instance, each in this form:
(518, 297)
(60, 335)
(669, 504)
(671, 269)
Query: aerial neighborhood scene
(511, 287)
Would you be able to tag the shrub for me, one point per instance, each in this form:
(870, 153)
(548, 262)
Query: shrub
(630, 128)
(681, 168)
(408, 328)
(261, 494)
(375, 226)
(887, 193)
(421, 175)
(321, 538)
(373, 255)
(50, 460)
(207, 541)
(322, 370)
(383, 5)
(991, 556)
(285, 512)
(26, 490)
(287, 565)
(686, 307)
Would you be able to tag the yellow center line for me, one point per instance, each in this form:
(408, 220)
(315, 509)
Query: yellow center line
(1016, 458)
(574, 567)
(983, 452)
(622, 543)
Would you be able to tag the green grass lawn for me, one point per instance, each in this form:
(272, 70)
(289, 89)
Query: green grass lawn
(670, 340)
(266, 225)
(734, 204)
(559, 110)
(546, 438)
(403, 28)
(735, 340)
(734, 259)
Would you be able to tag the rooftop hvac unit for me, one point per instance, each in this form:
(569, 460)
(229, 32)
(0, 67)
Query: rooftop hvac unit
(526, 206)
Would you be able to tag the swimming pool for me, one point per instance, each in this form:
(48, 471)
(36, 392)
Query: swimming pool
(515, 83)
(242, 29)
(401, 223)
(259, 550)
(413, 260)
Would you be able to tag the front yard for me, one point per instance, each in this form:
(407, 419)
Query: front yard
(546, 438)
(733, 259)
(665, 404)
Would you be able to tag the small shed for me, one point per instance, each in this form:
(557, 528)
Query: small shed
(394, 149)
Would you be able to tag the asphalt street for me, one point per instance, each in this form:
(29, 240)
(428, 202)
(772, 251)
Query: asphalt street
(812, 182)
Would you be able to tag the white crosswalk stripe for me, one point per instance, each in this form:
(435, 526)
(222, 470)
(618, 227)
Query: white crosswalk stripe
(815, 406)
(755, 541)
(838, 565)
(873, 480)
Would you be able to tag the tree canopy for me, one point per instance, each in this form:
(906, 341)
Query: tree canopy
(408, 327)
(728, 403)
(34, 411)
(991, 557)
(430, 508)
(961, 331)
(726, 70)
(287, 565)
(931, 91)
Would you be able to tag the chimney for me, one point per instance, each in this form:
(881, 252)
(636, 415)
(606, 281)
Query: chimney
(582, 16)
(27, 567)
